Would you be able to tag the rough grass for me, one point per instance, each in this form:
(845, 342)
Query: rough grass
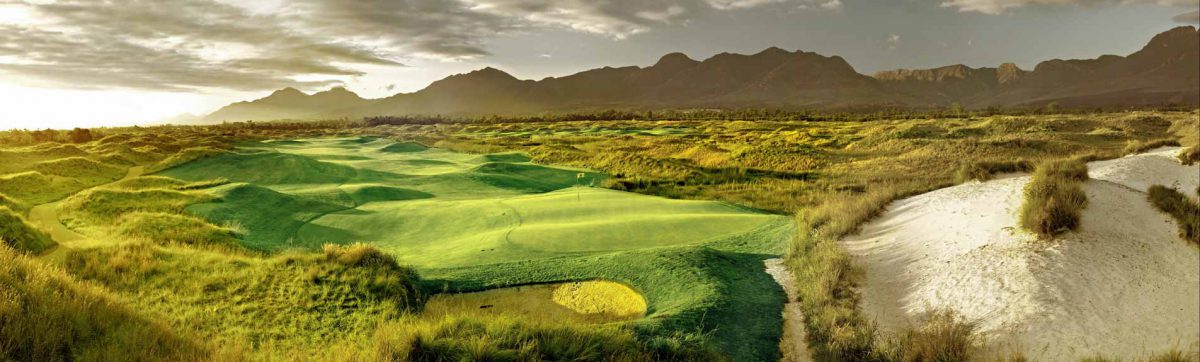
(1054, 198)
(17, 233)
(942, 337)
(983, 170)
(291, 302)
(1135, 147)
(1182, 208)
(47, 315)
(506, 339)
(1190, 155)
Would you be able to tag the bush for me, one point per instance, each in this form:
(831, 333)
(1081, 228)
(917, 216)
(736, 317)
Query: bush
(942, 337)
(15, 232)
(1054, 198)
(1183, 209)
(357, 254)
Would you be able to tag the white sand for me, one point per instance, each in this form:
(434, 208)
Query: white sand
(1159, 166)
(1124, 286)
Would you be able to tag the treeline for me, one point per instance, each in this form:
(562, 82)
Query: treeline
(20, 137)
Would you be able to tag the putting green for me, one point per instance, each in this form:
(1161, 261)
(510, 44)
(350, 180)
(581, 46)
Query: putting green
(436, 208)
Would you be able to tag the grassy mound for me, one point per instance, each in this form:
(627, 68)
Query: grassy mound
(270, 218)
(15, 232)
(362, 194)
(1182, 208)
(1054, 198)
(511, 157)
(183, 157)
(98, 207)
(530, 178)
(264, 168)
(46, 315)
(79, 167)
(11, 203)
(282, 304)
(404, 147)
(507, 339)
(173, 228)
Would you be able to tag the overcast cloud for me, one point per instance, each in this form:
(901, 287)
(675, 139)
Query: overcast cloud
(185, 45)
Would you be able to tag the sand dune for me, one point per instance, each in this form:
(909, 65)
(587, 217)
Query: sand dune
(1123, 286)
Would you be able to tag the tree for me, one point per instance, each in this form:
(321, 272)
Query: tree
(81, 135)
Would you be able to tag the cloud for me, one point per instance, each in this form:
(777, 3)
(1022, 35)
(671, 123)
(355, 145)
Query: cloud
(1188, 18)
(893, 42)
(189, 45)
(1001, 6)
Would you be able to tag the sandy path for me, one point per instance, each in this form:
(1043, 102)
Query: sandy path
(1124, 285)
(46, 216)
(794, 344)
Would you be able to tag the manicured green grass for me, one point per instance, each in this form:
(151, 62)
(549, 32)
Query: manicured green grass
(497, 220)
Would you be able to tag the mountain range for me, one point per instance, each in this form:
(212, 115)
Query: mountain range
(1164, 72)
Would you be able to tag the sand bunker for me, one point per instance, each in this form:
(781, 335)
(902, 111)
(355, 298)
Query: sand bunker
(1124, 286)
(595, 301)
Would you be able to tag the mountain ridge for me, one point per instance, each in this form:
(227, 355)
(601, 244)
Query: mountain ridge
(1165, 71)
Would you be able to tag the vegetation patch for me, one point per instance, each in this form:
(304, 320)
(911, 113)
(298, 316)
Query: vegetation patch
(1054, 198)
(47, 315)
(512, 339)
(1182, 208)
(1190, 155)
(17, 233)
(983, 170)
(1135, 147)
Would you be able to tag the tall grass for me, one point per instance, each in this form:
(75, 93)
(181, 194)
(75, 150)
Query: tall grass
(1054, 198)
(47, 315)
(455, 338)
(983, 170)
(1190, 155)
(1182, 208)
(1143, 146)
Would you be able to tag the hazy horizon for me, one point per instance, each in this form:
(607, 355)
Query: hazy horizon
(75, 63)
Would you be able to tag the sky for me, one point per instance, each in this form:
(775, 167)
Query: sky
(87, 63)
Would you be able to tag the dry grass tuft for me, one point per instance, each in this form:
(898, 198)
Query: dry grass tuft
(1182, 208)
(1054, 198)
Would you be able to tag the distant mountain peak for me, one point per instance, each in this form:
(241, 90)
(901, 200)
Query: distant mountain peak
(675, 59)
(289, 91)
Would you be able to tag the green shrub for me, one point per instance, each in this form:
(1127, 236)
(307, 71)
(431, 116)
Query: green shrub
(1182, 208)
(15, 232)
(1054, 198)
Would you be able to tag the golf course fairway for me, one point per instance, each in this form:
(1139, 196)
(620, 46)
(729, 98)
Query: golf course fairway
(471, 222)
